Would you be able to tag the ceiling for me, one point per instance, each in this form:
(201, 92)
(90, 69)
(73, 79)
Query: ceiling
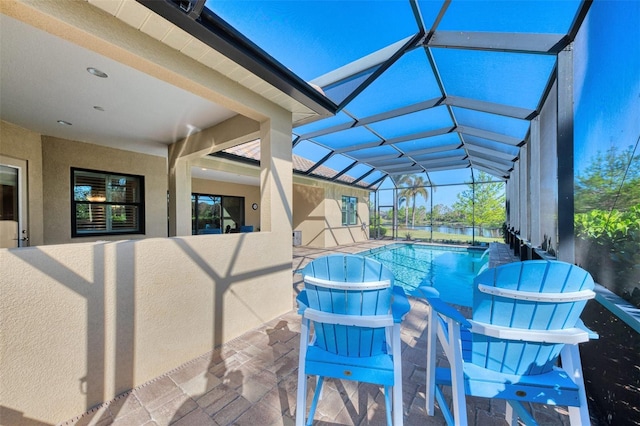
(224, 176)
(45, 82)
(51, 83)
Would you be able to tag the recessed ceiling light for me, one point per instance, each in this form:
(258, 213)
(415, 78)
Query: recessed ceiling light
(97, 72)
(98, 108)
(64, 123)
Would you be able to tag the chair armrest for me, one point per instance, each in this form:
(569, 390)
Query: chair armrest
(571, 336)
(400, 305)
(592, 334)
(303, 301)
(433, 299)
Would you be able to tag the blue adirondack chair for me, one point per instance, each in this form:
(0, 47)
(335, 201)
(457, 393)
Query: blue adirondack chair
(356, 313)
(525, 316)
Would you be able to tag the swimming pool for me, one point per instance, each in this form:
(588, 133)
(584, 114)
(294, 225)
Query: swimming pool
(449, 269)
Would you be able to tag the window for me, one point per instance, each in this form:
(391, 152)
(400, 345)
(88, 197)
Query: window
(349, 210)
(105, 203)
(216, 214)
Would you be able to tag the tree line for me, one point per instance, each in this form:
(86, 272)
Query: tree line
(482, 204)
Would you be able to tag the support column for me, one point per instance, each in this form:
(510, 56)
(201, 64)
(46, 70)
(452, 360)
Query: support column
(179, 195)
(276, 175)
(233, 131)
(534, 182)
(566, 237)
(515, 197)
(524, 197)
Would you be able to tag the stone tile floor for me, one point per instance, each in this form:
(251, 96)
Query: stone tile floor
(252, 379)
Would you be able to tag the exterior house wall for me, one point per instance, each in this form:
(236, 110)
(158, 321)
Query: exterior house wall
(61, 155)
(308, 214)
(82, 323)
(23, 144)
(318, 214)
(317, 204)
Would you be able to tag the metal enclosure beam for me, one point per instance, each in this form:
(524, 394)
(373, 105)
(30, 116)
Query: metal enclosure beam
(490, 107)
(485, 134)
(499, 41)
(470, 146)
(566, 237)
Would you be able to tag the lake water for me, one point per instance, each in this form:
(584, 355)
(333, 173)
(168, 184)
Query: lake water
(458, 230)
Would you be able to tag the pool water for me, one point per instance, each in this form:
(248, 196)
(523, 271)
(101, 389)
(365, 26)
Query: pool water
(449, 269)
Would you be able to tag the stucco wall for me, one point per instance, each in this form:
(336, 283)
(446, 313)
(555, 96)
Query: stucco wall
(82, 323)
(63, 154)
(317, 213)
(309, 215)
(23, 144)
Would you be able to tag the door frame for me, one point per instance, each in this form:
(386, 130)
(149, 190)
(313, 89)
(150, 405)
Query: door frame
(23, 228)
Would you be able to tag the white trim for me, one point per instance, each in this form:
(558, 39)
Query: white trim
(535, 296)
(374, 321)
(21, 166)
(570, 336)
(363, 285)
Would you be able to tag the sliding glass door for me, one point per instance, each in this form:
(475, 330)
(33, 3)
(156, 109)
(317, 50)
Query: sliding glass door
(216, 214)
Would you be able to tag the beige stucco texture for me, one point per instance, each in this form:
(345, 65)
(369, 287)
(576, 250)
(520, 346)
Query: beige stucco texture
(317, 213)
(82, 323)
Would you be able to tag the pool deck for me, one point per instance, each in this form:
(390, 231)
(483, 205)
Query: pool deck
(252, 379)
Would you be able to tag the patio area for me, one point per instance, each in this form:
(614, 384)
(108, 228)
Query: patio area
(252, 379)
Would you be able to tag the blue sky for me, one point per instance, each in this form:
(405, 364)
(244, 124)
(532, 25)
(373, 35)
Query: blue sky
(315, 37)
(607, 79)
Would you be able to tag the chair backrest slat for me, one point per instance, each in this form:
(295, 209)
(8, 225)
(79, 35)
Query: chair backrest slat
(349, 299)
(520, 313)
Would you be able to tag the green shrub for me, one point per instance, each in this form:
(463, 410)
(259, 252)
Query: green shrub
(607, 245)
(373, 231)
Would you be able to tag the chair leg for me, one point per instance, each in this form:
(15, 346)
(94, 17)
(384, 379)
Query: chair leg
(431, 361)
(446, 412)
(301, 397)
(510, 416)
(301, 405)
(398, 412)
(457, 375)
(388, 390)
(570, 359)
(516, 410)
(316, 398)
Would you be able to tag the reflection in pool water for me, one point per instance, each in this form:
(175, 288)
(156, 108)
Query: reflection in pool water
(449, 269)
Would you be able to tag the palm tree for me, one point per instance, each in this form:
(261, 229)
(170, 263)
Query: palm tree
(405, 194)
(417, 188)
(402, 199)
